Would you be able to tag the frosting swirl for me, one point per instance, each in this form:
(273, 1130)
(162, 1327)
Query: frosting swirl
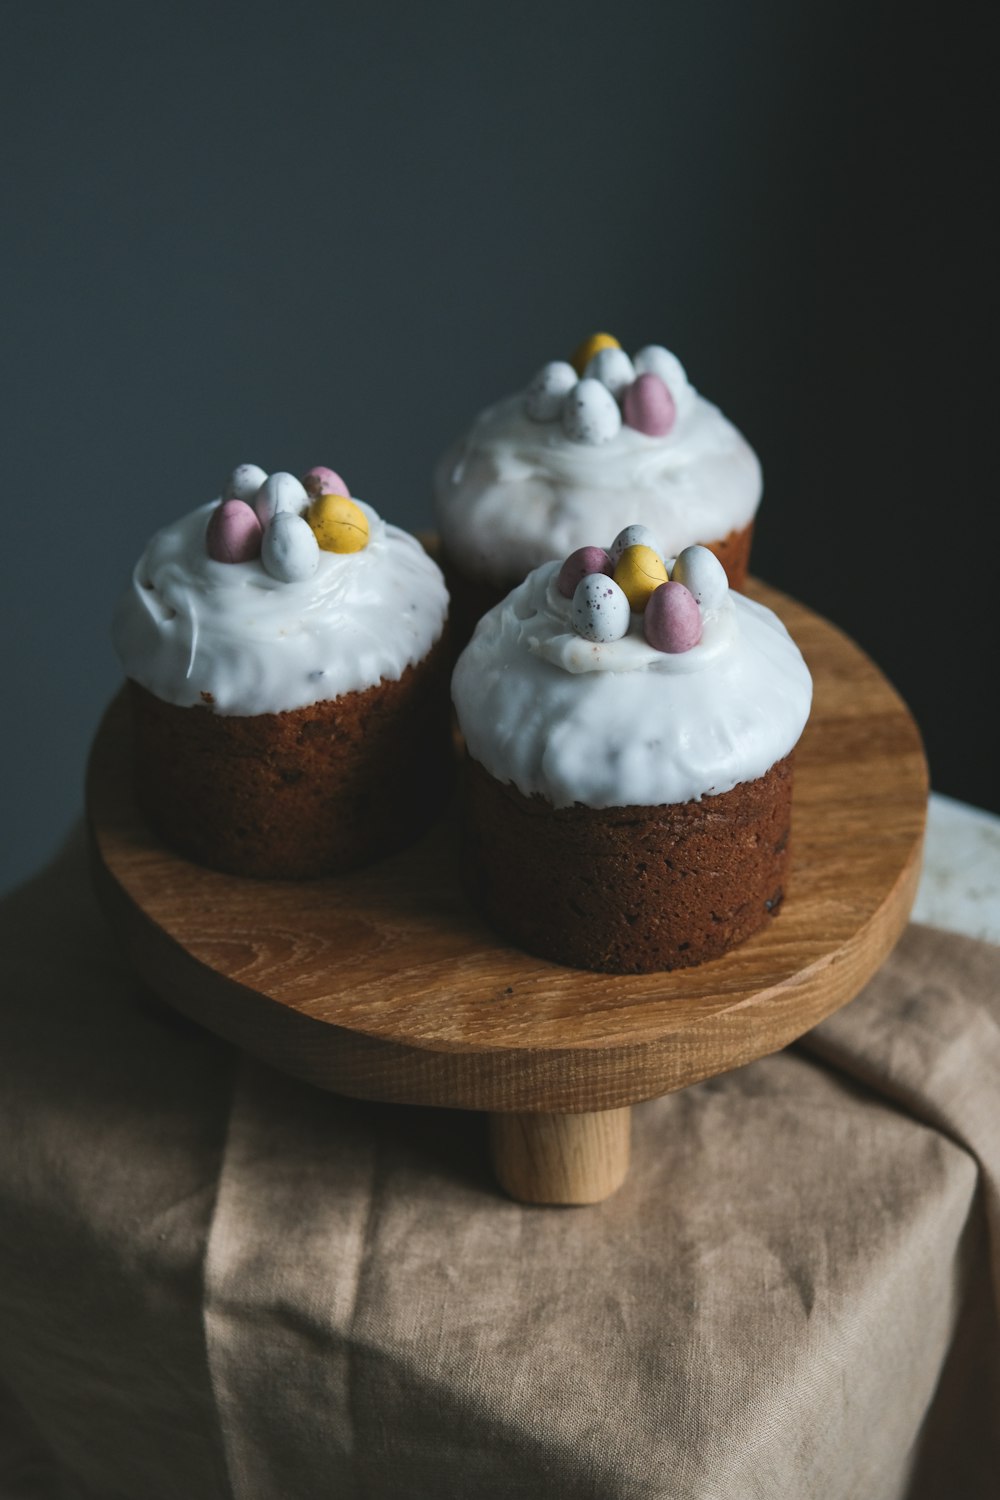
(230, 636)
(617, 723)
(514, 492)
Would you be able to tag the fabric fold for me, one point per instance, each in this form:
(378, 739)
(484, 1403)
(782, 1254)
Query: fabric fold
(218, 1282)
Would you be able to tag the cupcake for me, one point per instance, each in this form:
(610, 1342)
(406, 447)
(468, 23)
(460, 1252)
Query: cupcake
(587, 447)
(284, 650)
(630, 723)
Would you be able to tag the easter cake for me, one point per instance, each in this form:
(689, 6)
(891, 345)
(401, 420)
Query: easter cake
(589, 446)
(630, 724)
(288, 679)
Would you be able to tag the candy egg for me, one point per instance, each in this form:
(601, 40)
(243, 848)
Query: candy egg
(279, 492)
(600, 609)
(322, 481)
(233, 533)
(579, 563)
(544, 397)
(584, 353)
(634, 536)
(638, 572)
(590, 413)
(655, 360)
(339, 524)
(701, 572)
(648, 406)
(613, 368)
(290, 551)
(244, 482)
(672, 621)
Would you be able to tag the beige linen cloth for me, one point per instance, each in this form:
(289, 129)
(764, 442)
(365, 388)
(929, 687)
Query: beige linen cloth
(217, 1282)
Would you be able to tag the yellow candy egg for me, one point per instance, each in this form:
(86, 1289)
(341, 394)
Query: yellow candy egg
(586, 351)
(637, 573)
(339, 524)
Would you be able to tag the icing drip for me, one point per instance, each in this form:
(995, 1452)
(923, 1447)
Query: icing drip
(514, 493)
(196, 631)
(618, 723)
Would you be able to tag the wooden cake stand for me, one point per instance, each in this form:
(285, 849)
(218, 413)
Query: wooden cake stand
(387, 985)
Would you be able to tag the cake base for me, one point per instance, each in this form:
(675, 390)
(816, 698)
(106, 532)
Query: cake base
(472, 596)
(315, 791)
(733, 552)
(629, 890)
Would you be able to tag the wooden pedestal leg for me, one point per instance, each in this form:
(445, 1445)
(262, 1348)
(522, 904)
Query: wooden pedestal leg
(561, 1158)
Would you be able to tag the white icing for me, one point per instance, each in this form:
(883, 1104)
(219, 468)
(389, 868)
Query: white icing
(617, 723)
(189, 626)
(514, 493)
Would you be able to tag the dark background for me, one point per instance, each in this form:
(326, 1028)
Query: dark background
(306, 234)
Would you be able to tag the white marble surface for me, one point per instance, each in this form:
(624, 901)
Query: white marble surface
(960, 884)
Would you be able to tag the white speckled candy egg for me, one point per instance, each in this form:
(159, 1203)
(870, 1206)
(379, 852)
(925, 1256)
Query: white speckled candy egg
(590, 413)
(655, 360)
(279, 492)
(634, 536)
(600, 610)
(544, 397)
(290, 551)
(701, 572)
(613, 368)
(244, 482)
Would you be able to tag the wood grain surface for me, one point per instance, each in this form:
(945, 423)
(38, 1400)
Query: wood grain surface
(386, 984)
(569, 1159)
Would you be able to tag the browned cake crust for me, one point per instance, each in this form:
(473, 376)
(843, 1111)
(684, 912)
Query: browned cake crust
(733, 552)
(312, 792)
(471, 597)
(629, 890)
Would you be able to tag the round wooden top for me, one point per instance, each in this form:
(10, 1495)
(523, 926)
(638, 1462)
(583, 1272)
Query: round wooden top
(385, 984)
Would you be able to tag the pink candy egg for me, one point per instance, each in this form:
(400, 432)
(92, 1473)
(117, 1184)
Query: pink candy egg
(672, 620)
(321, 481)
(649, 407)
(234, 532)
(579, 563)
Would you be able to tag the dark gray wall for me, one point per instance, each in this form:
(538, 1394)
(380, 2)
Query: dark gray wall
(306, 233)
